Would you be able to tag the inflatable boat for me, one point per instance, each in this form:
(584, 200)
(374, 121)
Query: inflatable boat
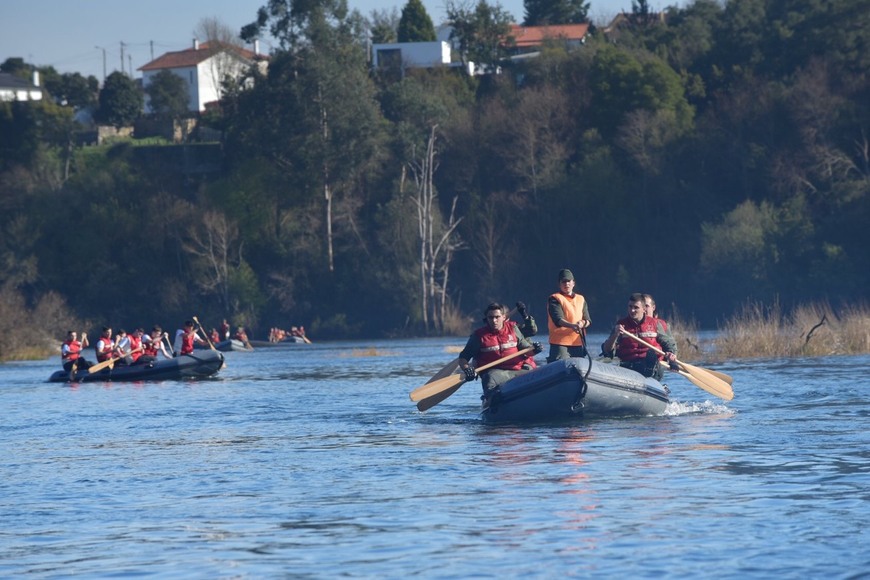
(573, 388)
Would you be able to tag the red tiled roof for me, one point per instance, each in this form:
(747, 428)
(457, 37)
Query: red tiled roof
(192, 57)
(525, 36)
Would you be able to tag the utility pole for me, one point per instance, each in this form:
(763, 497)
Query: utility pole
(152, 50)
(104, 62)
(122, 56)
(130, 61)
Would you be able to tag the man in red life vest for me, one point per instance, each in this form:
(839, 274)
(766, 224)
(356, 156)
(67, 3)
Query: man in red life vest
(153, 344)
(137, 347)
(185, 338)
(634, 355)
(71, 352)
(567, 320)
(105, 345)
(497, 339)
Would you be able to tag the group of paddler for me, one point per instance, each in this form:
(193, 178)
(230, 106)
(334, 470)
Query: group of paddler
(501, 349)
(135, 348)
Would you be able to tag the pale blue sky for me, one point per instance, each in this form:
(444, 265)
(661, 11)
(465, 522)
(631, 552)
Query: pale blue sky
(71, 34)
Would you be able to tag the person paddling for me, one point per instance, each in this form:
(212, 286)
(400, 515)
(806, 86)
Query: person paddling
(71, 352)
(185, 337)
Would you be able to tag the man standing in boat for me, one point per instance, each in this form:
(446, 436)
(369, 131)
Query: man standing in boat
(632, 354)
(499, 338)
(567, 320)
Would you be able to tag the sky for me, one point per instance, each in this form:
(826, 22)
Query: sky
(73, 35)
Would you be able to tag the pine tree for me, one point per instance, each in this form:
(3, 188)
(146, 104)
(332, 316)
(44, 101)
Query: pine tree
(544, 12)
(415, 24)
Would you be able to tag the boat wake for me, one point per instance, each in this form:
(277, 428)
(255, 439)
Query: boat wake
(676, 408)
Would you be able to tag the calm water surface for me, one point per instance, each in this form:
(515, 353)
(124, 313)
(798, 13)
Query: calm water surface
(310, 461)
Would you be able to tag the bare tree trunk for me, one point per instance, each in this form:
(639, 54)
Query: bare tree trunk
(327, 192)
(434, 256)
(211, 243)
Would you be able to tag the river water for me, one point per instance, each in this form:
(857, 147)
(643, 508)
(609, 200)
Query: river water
(310, 461)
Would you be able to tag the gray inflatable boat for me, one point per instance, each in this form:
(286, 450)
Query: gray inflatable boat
(574, 388)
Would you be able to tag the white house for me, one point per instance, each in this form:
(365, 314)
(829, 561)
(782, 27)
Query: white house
(13, 88)
(411, 54)
(402, 55)
(202, 67)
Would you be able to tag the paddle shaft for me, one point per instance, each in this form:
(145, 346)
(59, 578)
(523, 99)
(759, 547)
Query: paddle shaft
(208, 340)
(111, 361)
(436, 387)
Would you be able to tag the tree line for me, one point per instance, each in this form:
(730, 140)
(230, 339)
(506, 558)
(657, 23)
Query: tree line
(712, 156)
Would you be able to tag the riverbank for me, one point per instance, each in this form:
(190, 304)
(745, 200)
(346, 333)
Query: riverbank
(754, 331)
(760, 331)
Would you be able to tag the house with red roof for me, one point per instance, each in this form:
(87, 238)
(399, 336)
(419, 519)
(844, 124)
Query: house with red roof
(203, 67)
(526, 39)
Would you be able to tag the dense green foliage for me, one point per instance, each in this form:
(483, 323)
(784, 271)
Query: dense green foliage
(167, 95)
(415, 24)
(719, 157)
(544, 12)
(120, 101)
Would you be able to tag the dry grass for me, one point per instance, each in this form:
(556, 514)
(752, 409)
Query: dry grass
(455, 323)
(685, 332)
(758, 331)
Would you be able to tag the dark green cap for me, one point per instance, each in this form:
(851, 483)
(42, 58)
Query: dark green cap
(565, 275)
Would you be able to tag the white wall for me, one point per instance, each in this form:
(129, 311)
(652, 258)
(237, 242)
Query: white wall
(416, 54)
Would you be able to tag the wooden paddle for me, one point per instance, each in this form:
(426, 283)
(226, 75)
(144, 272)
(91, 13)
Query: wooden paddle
(449, 369)
(440, 387)
(111, 362)
(165, 337)
(702, 378)
(207, 339)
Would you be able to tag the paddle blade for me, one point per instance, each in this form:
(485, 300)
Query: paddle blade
(449, 369)
(722, 376)
(430, 402)
(707, 381)
(436, 387)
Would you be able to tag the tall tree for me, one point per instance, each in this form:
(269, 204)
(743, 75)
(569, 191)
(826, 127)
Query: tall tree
(547, 12)
(167, 95)
(481, 31)
(383, 25)
(328, 121)
(120, 101)
(415, 24)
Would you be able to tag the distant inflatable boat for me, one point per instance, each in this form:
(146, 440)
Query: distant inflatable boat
(574, 388)
(225, 346)
(200, 365)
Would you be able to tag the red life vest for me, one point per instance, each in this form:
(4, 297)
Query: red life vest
(151, 347)
(496, 345)
(74, 350)
(135, 343)
(628, 349)
(187, 343)
(103, 349)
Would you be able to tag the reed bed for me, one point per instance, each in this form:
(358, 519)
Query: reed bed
(759, 331)
(685, 332)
